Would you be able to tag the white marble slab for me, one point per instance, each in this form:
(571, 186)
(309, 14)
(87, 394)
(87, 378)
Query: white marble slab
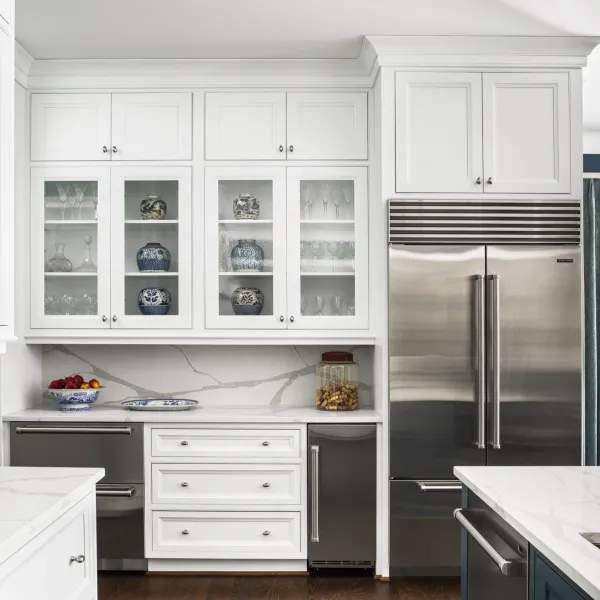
(550, 507)
(201, 414)
(32, 498)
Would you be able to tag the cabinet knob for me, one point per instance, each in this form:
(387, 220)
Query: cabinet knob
(114, 318)
(280, 148)
(114, 149)
(185, 531)
(265, 443)
(266, 485)
(184, 442)
(292, 319)
(282, 318)
(478, 181)
(266, 533)
(104, 149)
(489, 181)
(291, 148)
(184, 484)
(77, 559)
(104, 318)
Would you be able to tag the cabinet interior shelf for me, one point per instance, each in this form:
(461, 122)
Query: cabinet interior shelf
(71, 222)
(327, 273)
(246, 274)
(71, 274)
(327, 222)
(151, 221)
(161, 274)
(245, 221)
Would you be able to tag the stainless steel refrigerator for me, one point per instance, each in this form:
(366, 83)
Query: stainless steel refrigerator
(485, 357)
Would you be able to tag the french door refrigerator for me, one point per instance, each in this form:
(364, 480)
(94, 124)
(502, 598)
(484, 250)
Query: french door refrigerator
(484, 357)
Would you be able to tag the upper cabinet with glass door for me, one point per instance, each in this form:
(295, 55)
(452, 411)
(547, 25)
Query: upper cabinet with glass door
(70, 252)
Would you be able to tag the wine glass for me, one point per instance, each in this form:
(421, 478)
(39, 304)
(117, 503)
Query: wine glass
(304, 248)
(320, 305)
(337, 305)
(78, 196)
(335, 249)
(51, 305)
(303, 304)
(349, 254)
(338, 196)
(325, 196)
(349, 200)
(67, 304)
(317, 252)
(94, 196)
(351, 307)
(307, 195)
(63, 194)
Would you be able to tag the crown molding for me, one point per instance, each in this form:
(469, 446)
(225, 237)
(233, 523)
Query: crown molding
(23, 63)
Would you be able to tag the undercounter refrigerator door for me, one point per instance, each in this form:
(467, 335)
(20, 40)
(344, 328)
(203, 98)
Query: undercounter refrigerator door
(534, 355)
(436, 341)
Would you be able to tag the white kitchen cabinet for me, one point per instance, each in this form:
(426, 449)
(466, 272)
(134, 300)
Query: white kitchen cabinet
(245, 126)
(86, 230)
(70, 127)
(438, 132)
(6, 10)
(312, 244)
(526, 133)
(152, 126)
(327, 126)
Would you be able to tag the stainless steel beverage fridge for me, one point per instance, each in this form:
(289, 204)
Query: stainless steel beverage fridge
(485, 357)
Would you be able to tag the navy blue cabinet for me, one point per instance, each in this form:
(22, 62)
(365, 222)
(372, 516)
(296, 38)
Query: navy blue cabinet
(546, 582)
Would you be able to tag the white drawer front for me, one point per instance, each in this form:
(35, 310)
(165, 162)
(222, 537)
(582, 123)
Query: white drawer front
(226, 443)
(50, 573)
(226, 484)
(226, 534)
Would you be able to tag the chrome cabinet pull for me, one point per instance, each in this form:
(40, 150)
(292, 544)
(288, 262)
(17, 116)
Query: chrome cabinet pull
(292, 319)
(35, 429)
(266, 485)
(184, 484)
(493, 377)
(478, 181)
(280, 148)
(282, 318)
(291, 148)
(114, 149)
(265, 443)
(114, 318)
(104, 149)
(480, 333)
(508, 568)
(184, 442)
(440, 486)
(185, 532)
(489, 181)
(77, 559)
(266, 533)
(115, 492)
(314, 496)
(104, 318)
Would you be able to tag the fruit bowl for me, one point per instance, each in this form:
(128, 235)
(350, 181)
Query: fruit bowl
(71, 400)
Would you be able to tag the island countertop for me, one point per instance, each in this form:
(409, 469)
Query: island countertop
(32, 498)
(550, 507)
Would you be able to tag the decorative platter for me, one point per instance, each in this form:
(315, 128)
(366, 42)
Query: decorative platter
(159, 404)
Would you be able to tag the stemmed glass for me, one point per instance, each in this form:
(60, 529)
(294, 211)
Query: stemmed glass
(335, 249)
(307, 194)
(348, 199)
(337, 305)
(67, 304)
(320, 304)
(338, 196)
(95, 202)
(349, 253)
(63, 194)
(303, 305)
(325, 197)
(351, 307)
(317, 252)
(304, 247)
(77, 200)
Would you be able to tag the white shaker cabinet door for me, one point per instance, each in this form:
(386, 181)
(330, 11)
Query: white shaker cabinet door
(6, 10)
(526, 132)
(245, 126)
(438, 132)
(152, 126)
(70, 127)
(322, 126)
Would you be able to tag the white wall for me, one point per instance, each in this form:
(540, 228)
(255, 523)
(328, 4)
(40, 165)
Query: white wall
(591, 104)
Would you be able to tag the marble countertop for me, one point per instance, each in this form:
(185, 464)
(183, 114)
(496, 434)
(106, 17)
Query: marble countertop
(550, 507)
(32, 498)
(225, 414)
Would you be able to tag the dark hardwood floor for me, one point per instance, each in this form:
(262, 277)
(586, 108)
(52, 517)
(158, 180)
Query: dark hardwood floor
(118, 586)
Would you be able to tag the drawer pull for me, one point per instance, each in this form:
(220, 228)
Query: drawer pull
(184, 442)
(265, 443)
(185, 531)
(266, 533)
(266, 485)
(77, 559)
(184, 484)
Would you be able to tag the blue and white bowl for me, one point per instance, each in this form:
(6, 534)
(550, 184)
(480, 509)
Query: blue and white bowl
(72, 400)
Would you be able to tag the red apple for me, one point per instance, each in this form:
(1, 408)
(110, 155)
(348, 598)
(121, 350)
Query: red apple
(78, 379)
(71, 386)
(61, 383)
(54, 385)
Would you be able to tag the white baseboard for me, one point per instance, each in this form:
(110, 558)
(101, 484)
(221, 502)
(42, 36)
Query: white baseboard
(227, 566)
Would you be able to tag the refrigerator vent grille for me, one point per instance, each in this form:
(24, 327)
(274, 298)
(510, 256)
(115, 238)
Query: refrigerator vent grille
(342, 563)
(484, 222)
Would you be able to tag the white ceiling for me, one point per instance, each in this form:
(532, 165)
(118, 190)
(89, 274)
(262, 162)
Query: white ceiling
(272, 28)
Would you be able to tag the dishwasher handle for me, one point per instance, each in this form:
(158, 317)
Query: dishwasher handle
(508, 568)
(36, 429)
(115, 492)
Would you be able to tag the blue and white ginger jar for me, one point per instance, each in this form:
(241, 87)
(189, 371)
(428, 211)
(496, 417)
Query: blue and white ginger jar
(153, 207)
(246, 206)
(247, 255)
(154, 301)
(247, 301)
(153, 258)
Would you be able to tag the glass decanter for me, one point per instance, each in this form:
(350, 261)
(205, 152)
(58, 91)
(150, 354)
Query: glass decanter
(87, 265)
(59, 263)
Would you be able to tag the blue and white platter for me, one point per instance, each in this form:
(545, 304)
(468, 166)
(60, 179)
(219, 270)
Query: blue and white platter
(159, 404)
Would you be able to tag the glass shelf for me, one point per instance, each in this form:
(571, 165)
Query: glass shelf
(146, 274)
(245, 274)
(71, 274)
(151, 221)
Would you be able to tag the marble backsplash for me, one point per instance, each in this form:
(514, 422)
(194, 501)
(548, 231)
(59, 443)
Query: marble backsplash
(213, 375)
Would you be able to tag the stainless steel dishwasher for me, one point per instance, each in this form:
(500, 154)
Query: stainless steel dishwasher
(342, 496)
(116, 447)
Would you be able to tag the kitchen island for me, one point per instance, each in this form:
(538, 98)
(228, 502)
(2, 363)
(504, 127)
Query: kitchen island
(550, 507)
(48, 532)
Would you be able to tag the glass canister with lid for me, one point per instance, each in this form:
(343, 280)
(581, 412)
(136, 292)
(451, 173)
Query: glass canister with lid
(337, 375)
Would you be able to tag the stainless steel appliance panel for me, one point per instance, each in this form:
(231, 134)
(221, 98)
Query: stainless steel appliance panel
(342, 495)
(424, 536)
(534, 355)
(436, 339)
(120, 513)
(116, 447)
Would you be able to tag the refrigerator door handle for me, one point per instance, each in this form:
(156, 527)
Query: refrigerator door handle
(494, 355)
(314, 531)
(480, 334)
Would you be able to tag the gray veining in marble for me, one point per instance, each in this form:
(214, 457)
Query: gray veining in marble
(215, 375)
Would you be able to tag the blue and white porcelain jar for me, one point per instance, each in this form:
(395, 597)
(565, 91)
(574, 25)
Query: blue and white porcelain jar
(247, 301)
(154, 301)
(246, 206)
(153, 207)
(247, 255)
(153, 258)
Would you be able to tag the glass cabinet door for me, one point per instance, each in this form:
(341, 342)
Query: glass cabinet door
(327, 248)
(70, 248)
(151, 248)
(245, 247)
